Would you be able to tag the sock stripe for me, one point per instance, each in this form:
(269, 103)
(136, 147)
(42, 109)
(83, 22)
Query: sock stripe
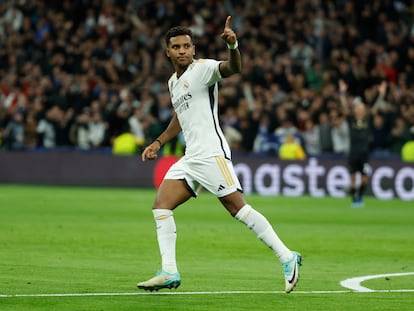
(161, 214)
(246, 212)
(161, 217)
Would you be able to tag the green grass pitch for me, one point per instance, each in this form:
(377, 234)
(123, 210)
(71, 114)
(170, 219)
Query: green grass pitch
(72, 240)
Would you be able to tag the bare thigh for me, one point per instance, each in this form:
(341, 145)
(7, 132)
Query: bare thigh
(233, 202)
(172, 192)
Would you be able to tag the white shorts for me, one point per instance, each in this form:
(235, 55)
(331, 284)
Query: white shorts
(215, 174)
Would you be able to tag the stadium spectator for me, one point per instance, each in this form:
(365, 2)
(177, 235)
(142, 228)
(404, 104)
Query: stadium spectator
(248, 128)
(286, 128)
(70, 53)
(79, 131)
(311, 138)
(379, 144)
(135, 124)
(407, 150)
(12, 17)
(30, 132)
(325, 129)
(47, 127)
(126, 107)
(290, 149)
(164, 110)
(13, 134)
(339, 132)
(97, 130)
(399, 135)
(125, 144)
(152, 127)
(265, 143)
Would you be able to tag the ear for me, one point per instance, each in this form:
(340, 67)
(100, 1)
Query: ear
(167, 52)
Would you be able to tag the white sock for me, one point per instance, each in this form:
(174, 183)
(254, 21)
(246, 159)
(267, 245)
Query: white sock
(167, 236)
(264, 231)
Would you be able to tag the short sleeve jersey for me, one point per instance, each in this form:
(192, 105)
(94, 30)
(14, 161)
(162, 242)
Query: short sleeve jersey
(194, 96)
(359, 134)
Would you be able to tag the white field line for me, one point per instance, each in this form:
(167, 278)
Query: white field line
(313, 292)
(355, 283)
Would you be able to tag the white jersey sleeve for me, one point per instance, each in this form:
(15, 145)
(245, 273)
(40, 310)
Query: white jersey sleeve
(194, 96)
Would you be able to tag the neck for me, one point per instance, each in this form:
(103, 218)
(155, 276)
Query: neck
(179, 70)
(179, 73)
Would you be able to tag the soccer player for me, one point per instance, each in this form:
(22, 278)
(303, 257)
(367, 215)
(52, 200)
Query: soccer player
(359, 152)
(359, 133)
(207, 161)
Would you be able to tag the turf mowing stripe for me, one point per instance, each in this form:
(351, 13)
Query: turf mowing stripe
(205, 293)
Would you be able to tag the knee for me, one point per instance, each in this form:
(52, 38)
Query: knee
(233, 212)
(232, 207)
(233, 203)
(162, 202)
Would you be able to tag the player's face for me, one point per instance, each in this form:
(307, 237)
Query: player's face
(360, 112)
(181, 50)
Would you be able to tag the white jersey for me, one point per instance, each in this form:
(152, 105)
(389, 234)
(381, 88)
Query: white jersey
(194, 96)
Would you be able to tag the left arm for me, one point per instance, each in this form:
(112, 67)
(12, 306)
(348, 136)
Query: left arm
(172, 130)
(233, 64)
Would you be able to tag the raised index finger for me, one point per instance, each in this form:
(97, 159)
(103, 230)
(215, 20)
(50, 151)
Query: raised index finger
(227, 25)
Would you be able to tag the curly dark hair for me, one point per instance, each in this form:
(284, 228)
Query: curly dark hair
(177, 31)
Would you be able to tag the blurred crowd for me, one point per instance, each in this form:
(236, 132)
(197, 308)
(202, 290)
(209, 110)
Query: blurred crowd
(92, 74)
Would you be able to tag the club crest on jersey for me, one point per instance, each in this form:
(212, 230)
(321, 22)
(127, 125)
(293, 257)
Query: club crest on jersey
(186, 85)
